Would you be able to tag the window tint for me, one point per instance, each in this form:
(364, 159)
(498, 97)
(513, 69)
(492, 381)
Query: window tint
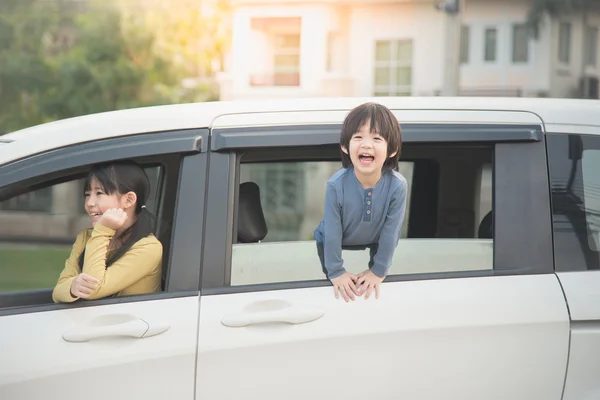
(591, 45)
(293, 194)
(491, 43)
(520, 43)
(447, 226)
(464, 44)
(574, 162)
(564, 42)
(37, 230)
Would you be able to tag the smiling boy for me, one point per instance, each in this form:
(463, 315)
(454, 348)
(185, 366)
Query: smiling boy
(365, 201)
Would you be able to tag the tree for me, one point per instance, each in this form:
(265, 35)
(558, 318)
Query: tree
(25, 26)
(64, 58)
(106, 69)
(554, 8)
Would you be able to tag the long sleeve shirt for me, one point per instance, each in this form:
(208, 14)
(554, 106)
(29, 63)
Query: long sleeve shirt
(355, 216)
(138, 271)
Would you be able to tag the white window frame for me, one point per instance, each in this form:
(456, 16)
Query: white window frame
(393, 63)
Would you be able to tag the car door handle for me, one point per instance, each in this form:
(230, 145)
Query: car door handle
(135, 328)
(292, 315)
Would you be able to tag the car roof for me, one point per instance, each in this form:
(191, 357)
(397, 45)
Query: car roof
(49, 136)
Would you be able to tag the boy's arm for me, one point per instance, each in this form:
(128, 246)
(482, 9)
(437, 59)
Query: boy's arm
(390, 233)
(138, 262)
(333, 233)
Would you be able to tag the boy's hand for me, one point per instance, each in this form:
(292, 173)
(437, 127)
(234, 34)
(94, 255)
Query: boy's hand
(345, 284)
(367, 281)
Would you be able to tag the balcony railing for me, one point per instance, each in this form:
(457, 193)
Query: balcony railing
(277, 79)
(487, 92)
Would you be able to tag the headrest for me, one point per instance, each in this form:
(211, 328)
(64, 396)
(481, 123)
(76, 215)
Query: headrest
(486, 227)
(252, 226)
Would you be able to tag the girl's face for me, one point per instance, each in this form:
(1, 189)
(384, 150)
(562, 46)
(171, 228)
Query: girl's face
(97, 201)
(367, 151)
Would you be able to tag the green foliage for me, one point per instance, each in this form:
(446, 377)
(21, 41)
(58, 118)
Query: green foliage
(553, 8)
(60, 58)
(30, 267)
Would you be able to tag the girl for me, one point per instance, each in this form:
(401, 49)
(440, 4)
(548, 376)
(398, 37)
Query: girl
(119, 256)
(365, 201)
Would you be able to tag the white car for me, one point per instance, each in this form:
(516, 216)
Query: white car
(494, 292)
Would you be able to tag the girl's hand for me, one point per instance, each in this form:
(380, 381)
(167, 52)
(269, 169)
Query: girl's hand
(367, 281)
(345, 284)
(83, 285)
(113, 218)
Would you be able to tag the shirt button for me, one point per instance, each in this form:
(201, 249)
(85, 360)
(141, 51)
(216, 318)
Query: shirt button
(369, 202)
(368, 211)
(369, 193)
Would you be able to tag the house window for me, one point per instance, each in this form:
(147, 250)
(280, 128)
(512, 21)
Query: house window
(286, 60)
(275, 48)
(491, 40)
(520, 48)
(393, 68)
(591, 45)
(464, 44)
(564, 42)
(331, 36)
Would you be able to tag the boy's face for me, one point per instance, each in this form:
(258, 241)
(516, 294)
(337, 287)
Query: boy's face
(367, 151)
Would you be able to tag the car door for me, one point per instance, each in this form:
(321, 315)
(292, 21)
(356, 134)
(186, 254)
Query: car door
(574, 159)
(116, 348)
(464, 314)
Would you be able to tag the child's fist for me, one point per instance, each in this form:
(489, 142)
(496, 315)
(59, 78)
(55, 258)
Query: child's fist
(113, 218)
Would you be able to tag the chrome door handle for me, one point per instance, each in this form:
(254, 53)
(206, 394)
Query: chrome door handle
(135, 328)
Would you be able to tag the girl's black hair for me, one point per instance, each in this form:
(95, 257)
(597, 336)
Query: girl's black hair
(382, 121)
(121, 177)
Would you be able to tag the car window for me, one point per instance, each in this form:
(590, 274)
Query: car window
(293, 194)
(447, 226)
(38, 228)
(574, 162)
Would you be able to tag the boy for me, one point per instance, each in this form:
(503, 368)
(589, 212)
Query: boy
(365, 201)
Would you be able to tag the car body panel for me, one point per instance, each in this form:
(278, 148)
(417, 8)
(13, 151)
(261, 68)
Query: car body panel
(487, 337)
(38, 363)
(582, 291)
(493, 321)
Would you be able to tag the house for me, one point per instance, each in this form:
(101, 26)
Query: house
(316, 48)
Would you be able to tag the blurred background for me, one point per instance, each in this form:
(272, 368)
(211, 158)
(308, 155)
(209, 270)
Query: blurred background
(65, 58)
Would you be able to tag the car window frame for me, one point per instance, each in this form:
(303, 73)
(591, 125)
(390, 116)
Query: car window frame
(186, 150)
(517, 148)
(572, 145)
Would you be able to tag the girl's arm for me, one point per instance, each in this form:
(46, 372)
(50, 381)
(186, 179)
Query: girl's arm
(139, 261)
(390, 233)
(62, 290)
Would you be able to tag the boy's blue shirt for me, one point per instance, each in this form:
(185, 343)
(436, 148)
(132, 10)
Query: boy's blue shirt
(355, 216)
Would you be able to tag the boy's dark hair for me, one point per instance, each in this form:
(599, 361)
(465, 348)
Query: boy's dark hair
(119, 178)
(380, 120)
